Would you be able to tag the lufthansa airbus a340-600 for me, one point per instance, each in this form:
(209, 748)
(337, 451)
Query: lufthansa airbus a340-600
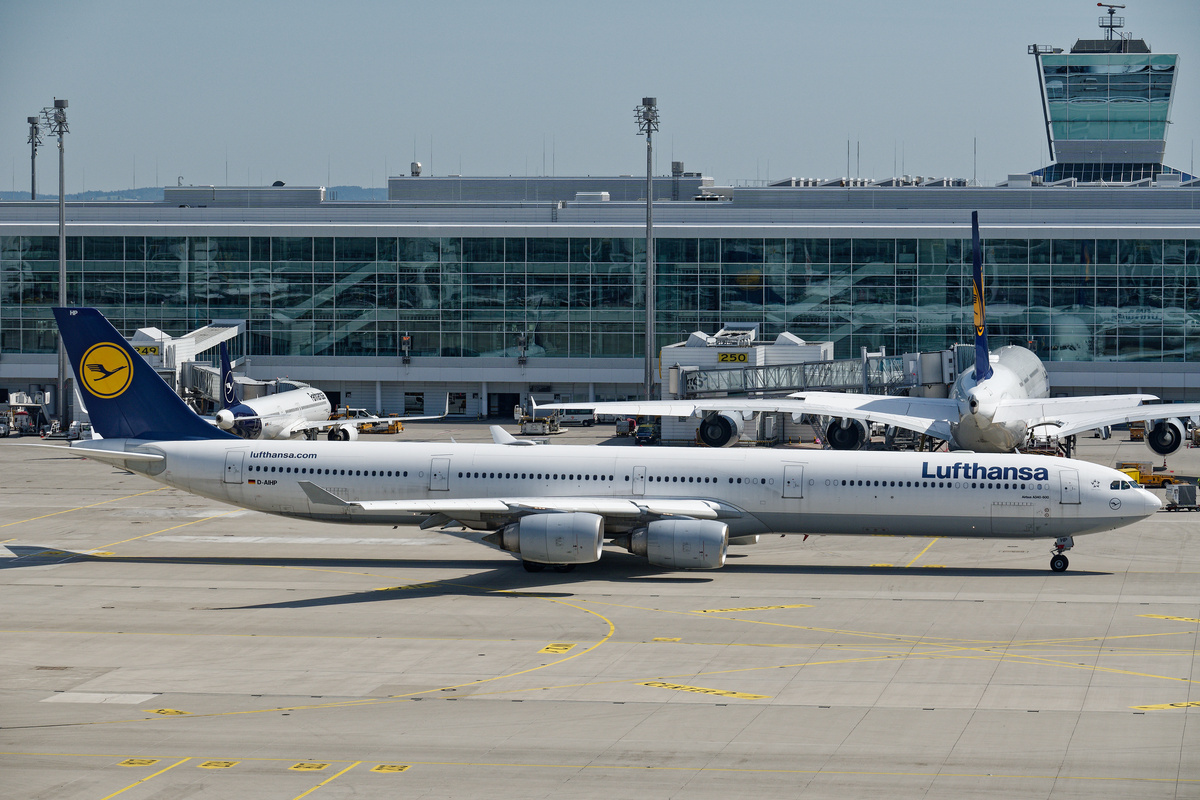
(558, 505)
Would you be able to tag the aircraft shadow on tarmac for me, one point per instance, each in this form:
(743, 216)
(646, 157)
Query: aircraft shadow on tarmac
(484, 577)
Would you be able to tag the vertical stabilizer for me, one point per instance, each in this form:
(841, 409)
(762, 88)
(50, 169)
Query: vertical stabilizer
(983, 365)
(125, 397)
(229, 397)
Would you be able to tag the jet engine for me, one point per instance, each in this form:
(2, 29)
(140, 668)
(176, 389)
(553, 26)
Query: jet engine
(846, 434)
(574, 538)
(1164, 436)
(248, 426)
(343, 433)
(721, 430)
(682, 543)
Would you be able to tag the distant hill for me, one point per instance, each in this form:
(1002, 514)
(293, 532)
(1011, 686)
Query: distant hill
(154, 194)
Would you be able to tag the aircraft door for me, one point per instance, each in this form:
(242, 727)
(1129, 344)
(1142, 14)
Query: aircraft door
(439, 475)
(639, 480)
(233, 466)
(793, 480)
(1068, 480)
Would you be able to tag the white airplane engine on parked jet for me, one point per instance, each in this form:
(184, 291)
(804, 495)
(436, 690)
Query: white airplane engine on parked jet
(574, 538)
(343, 433)
(721, 430)
(845, 434)
(1164, 436)
(682, 543)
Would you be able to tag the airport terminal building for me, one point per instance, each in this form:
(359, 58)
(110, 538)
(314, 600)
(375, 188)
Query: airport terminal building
(492, 289)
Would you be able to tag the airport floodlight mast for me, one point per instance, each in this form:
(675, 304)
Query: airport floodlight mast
(35, 141)
(55, 121)
(646, 116)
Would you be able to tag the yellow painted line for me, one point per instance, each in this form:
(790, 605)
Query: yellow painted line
(747, 608)
(143, 780)
(390, 768)
(309, 766)
(403, 588)
(327, 780)
(923, 552)
(138, 762)
(1165, 706)
(81, 508)
(1173, 619)
(883, 565)
(217, 764)
(173, 527)
(167, 712)
(701, 690)
(666, 639)
(557, 648)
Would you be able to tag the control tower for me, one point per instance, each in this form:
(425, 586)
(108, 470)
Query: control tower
(1106, 106)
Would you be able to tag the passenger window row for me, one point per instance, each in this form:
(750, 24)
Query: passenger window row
(365, 473)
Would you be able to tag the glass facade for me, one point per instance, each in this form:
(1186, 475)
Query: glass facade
(1067, 299)
(1108, 96)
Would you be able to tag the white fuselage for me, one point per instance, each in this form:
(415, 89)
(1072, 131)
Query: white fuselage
(281, 412)
(1017, 374)
(757, 491)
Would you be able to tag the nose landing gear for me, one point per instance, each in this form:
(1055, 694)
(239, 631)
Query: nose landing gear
(1058, 561)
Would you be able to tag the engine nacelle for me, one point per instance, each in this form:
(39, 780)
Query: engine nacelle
(721, 430)
(574, 538)
(1164, 436)
(343, 433)
(743, 540)
(682, 543)
(846, 434)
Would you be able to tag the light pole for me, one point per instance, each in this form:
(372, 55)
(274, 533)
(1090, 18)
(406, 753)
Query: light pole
(35, 141)
(646, 116)
(55, 120)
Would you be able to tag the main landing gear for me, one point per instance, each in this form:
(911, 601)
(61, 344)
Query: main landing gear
(1058, 561)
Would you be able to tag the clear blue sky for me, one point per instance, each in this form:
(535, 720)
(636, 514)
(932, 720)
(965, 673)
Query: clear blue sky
(337, 93)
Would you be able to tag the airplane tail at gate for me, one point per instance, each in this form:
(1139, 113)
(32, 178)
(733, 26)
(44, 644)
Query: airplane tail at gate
(229, 396)
(983, 364)
(125, 398)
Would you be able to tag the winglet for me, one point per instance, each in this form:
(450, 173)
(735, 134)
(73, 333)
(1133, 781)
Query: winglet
(124, 396)
(983, 364)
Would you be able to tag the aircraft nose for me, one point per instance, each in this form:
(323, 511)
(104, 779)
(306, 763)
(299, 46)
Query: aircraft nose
(1153, 504)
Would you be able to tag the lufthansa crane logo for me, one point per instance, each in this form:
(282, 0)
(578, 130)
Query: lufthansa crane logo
(107, 370)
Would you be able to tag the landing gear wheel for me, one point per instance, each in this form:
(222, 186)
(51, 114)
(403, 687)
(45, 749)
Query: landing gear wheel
(1059, 563)
(563, 567)
(533, 566)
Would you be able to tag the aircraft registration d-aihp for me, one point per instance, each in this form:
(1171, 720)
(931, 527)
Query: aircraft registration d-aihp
(558, 505)
(994, 406)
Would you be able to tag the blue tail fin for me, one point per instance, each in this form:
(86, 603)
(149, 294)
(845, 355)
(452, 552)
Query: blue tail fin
(983, 364)
(124, 396)
(229, 397)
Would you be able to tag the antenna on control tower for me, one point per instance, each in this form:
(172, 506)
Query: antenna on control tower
(1112, 21)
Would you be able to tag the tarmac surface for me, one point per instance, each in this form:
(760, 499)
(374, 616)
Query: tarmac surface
(160, 645)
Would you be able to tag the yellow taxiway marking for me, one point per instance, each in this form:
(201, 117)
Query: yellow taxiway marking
(666, 639)
(143, 780)
(1173, 619)
(678, 687)
(747, 608)
(557, 648)
(217, 764)
(923, 552)
(81, 508)
(138, 762)
(328, 780)
(663, 768)
(309, 766)
(167, 712)
(173, 527)
(1165, 706)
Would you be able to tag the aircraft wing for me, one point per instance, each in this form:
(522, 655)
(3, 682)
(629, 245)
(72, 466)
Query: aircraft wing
(1101, 415)
(471, 510)
(1039, 410)
(930, 415)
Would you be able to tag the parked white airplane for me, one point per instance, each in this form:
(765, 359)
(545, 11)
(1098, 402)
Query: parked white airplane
(994, 406)
(287, 415)
(556, 506)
